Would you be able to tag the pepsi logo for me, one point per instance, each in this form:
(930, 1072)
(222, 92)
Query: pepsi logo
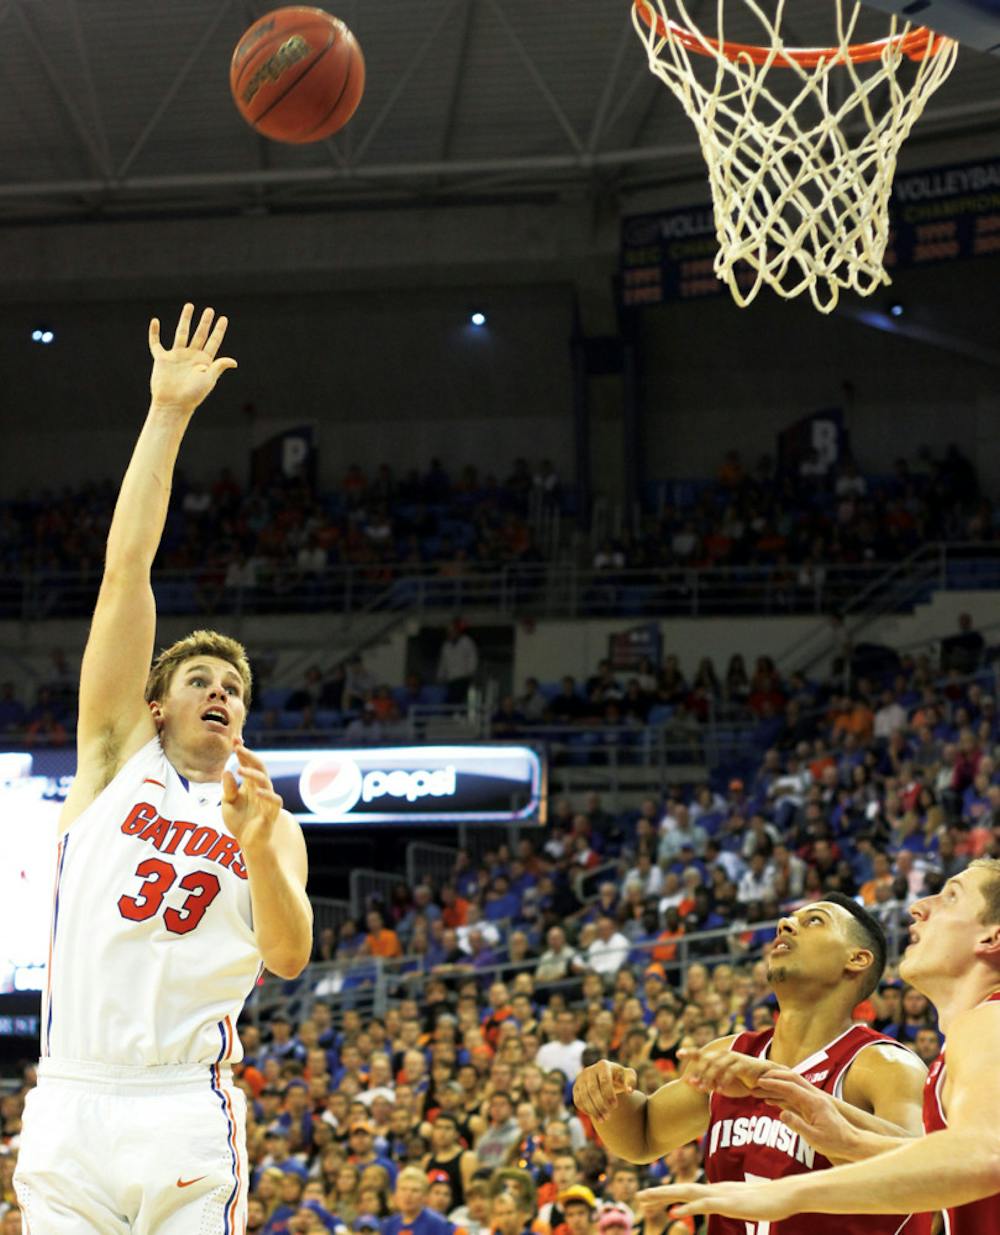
(330, 785)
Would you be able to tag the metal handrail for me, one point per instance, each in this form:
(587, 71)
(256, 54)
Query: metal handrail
(388, 979)
(551, 588)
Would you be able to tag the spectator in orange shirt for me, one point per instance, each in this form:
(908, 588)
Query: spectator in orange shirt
(380, 941)
(454, 908)
(855, 717)
(881, 874)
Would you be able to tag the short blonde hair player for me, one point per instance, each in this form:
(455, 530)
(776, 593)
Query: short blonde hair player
(177, 882)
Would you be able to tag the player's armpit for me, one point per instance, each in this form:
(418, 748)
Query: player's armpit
(883, 1092)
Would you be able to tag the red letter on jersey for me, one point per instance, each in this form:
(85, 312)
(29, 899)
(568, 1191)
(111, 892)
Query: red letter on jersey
(140, 814)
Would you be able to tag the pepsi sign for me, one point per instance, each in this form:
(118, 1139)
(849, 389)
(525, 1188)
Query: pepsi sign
(410, 784)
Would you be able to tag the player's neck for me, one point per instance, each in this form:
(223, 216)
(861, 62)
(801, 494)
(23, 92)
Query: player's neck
(803, 1029)
(199, 767)
(953, 996)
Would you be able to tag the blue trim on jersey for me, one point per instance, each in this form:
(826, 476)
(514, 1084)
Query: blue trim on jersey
(55, 928)
(184, 780)
(222, 1034)
(231, 1141)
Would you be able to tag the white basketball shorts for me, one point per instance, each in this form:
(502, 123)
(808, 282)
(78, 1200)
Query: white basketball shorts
(133, 1151)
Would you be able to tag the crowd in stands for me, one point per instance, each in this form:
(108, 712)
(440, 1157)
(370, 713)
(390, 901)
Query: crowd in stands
(799, 521)
(273, 544)
(619, 707)
(281, 536)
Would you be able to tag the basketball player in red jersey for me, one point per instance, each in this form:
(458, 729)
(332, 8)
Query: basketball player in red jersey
(826, 959)
(954, 959)
(175, 883)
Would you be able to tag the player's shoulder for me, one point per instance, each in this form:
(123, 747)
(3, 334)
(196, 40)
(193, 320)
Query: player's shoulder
(882, 1058)
(977, 1027)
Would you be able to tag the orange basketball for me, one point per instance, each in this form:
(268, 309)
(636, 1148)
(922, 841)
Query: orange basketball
(297, 75)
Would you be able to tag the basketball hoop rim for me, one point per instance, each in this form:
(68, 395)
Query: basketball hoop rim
(916, 44)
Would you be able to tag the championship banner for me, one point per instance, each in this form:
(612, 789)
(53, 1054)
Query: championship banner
(945, 214)
(937, 215)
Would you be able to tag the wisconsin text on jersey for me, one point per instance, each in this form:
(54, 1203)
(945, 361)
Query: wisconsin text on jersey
(145, 823)
(761, 1130)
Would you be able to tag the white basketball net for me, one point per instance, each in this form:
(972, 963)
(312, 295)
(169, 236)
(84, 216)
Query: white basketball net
(800, 179)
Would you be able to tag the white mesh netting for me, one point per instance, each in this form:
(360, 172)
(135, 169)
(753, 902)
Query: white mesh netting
(801, 164)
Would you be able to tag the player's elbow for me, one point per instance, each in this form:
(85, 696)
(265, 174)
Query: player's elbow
(286, 964)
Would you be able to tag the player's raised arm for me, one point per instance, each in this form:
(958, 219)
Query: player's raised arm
(636, 1127)
(114, 719)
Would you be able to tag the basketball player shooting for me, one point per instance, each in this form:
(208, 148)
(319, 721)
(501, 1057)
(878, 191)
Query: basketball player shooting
(176, 882)
(827, 957)
(954, 959)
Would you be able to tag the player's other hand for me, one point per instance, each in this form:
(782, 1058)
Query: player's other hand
(250, 806)
(810, 1112)
(730, 1073)
(766, 1201)
(596, 1089)
(185, 375)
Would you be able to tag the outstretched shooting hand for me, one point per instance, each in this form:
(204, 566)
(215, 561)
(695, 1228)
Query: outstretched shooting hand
(185, 375)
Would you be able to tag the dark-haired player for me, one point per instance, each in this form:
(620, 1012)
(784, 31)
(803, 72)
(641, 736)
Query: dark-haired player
(827, 957)
(954, 959)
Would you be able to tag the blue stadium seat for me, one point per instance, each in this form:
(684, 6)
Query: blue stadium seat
(433, 694)
(273, 697)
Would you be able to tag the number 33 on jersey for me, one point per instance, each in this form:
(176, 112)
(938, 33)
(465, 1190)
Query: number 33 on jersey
(149, 865)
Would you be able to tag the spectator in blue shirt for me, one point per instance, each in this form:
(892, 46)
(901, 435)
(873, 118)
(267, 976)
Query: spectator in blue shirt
(361, 1146)
(413, 1218)
(501, 901)
(282, 1046)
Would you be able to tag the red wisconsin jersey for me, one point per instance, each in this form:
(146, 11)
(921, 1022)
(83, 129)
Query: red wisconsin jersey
(747, 1140)
(979, 1217)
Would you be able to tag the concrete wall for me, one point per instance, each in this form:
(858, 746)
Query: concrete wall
(550, 649)
(385, 376)
(717, 377)
(546, 649)
(355, 320)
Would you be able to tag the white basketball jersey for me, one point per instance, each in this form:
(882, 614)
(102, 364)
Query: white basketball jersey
(152, 952)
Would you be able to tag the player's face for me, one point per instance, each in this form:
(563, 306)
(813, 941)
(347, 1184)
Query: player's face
(812, 944)
(947, 932)
(204, 704)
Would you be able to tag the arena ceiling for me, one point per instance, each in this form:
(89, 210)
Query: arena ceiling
(119, 108)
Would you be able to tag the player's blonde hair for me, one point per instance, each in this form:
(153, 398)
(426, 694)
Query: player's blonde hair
(198, 643)
(990, 889)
